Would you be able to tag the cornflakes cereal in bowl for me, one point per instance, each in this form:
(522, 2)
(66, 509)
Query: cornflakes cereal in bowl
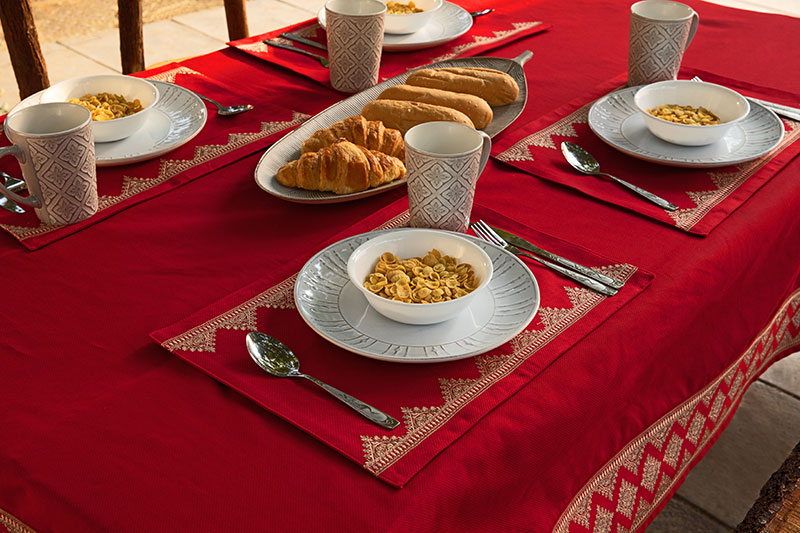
(408, 16)
(438, 286)
(684, 112)
(119, 104)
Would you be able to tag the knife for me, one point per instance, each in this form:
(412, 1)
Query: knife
(521, 243)
(303, 40)
(322, 60)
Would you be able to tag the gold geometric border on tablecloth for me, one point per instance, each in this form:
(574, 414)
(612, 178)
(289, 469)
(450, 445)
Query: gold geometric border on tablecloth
(380, 451)
(621, 496)
(725, 183)
(13, 524)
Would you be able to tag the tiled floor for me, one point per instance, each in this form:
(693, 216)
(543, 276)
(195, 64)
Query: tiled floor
(720, 490)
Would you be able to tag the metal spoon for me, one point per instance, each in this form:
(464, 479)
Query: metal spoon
(227, 110)
(583, 161)
(277, 359)
(481, 12)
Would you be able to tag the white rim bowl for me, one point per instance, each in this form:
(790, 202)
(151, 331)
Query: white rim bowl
(409, 243)
(128, 86)
(413, 22)
(730, 106)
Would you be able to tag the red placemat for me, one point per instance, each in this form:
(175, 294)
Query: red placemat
(510, 21)
(221, 141)
(436, 402)
(705, 196)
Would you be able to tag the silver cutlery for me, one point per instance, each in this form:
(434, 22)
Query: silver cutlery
(486, 233)
(226, 110)
(482, 12)
(779, 109)
(277, 359)
(12, 184)
(527, 246)
(322, 60)
(302, 40)
(582, 161)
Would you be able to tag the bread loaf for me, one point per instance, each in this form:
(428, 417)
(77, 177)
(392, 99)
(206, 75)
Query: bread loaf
(476, 108)
(341, 168)
(403, 116)
(497, 88)
(369, 134)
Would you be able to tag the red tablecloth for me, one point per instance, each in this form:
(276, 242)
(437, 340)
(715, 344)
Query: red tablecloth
(104, 430)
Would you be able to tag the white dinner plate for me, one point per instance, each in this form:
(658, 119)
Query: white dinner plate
(289, 147)
(178, 116)
(335, 309)
(447, 23)
(617, 121)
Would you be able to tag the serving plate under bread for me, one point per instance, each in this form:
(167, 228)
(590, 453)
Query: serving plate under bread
(289, 147)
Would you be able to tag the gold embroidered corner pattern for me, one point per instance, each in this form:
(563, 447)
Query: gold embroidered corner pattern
(480, 40)
(381, 452)
(564, 127)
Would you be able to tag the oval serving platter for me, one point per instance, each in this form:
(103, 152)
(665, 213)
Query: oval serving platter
(289, 147)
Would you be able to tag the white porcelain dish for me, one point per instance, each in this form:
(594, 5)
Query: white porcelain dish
(417, 243)
(127, 86)
(288, 148)
(447, 23)
(618, 122)
(333, 307)
(411, 22)
(730, 106)
(177, 117)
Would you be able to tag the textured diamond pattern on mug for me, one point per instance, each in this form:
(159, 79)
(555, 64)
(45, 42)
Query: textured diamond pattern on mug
(655, 51)
(355, 50)
(440, 192)
(66, 170)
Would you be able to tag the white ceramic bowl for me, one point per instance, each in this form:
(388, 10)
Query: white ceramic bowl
(408, 243)
(730, 106)
(129, 87)
(413, 21)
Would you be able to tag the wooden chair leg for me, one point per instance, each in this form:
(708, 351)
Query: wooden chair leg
(23, 46)
(236, 16)
(131, 41)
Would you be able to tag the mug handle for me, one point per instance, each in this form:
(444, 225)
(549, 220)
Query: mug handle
(486, 151)
(692, 29)
(29, 200)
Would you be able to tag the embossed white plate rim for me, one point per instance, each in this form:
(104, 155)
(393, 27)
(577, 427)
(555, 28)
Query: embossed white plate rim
(288, 147)
(620, 112)
(455, 20)
(520, 273)
(154, 150)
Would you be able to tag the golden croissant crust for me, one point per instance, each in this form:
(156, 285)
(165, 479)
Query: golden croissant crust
(341, 168)
(358, 130)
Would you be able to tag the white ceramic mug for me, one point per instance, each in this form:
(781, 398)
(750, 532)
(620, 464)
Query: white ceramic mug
(443, 163)
(55, 149)
(660, 32)
(355, 42)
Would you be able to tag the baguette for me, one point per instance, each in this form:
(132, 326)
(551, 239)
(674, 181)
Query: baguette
(497, 88)
(476, 108)
(403, 116)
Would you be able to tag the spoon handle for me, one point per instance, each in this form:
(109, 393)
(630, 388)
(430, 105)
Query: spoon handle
(379, 417)
(669, 206)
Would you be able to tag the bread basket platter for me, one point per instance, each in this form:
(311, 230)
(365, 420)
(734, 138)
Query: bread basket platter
(289, 147)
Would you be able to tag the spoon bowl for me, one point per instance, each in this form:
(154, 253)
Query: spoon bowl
(584, 162)
(277, 359)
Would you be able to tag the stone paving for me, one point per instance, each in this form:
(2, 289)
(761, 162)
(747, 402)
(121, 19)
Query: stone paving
(716, 494)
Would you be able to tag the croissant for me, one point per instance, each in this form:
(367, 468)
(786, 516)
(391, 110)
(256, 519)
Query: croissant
(341, 168)
(358, 130)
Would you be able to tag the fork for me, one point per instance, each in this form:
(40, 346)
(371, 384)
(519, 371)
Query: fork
(779, 109)
(486, 233)
(12, 184)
